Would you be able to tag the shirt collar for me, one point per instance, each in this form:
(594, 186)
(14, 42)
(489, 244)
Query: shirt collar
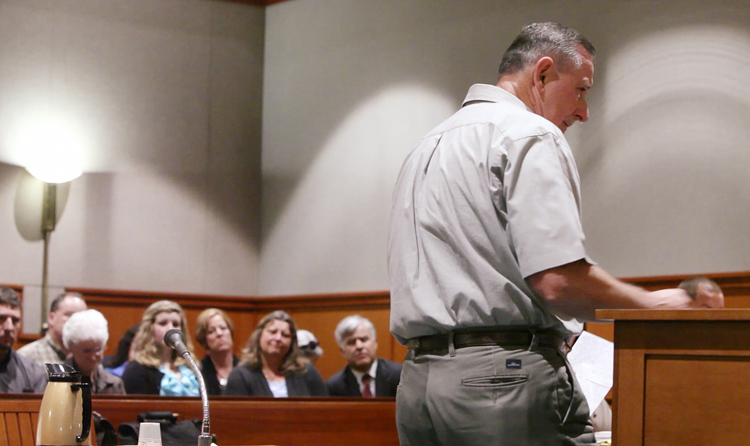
(60, 351)
(491, 93)
(371, 372)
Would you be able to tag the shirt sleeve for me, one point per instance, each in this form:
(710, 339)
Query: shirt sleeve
(543, 199)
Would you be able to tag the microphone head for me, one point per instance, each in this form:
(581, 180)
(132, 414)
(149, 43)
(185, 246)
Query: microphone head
(173, 337)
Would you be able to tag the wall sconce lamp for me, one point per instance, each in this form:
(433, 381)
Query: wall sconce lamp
(54, 184)
(50, 145)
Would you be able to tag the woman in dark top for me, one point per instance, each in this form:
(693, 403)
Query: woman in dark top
(271, 365)
(214, 331)
(155, 368)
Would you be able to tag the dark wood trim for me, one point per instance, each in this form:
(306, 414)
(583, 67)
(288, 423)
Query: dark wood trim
(732, 284)
(17, 288)
(372, 299)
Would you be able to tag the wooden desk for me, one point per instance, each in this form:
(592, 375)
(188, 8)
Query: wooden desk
(681, 377)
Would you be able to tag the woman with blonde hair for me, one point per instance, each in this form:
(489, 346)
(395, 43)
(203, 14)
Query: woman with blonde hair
(154, 367)
(271, 365)
(214, 331)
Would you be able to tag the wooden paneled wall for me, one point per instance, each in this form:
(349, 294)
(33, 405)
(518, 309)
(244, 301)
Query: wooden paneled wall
(321, 313)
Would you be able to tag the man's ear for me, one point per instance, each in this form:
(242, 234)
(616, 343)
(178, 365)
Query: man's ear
(543, 71)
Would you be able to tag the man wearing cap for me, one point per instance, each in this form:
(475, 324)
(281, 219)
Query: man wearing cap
(365, 375)
(17, 373)
(309, 347)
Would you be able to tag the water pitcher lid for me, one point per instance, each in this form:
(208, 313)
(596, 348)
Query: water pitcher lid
(62, 373)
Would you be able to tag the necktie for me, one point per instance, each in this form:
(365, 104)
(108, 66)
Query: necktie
(366, 392)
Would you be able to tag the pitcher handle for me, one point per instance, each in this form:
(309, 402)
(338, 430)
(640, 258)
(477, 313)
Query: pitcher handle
(85, 386)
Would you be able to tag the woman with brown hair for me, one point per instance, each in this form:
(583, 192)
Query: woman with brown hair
(214, 331)
(271, 365)
(155, 368)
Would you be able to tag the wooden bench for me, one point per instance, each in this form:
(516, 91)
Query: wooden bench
(234, 421)
(18, 417)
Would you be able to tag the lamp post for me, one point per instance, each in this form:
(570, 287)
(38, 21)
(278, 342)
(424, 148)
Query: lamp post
(48, 222)
(49, 218)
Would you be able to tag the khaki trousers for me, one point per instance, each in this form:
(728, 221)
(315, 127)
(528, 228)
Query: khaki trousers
(490, 395)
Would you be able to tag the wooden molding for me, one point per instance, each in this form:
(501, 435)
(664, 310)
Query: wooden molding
(732, 284)
(372, 299)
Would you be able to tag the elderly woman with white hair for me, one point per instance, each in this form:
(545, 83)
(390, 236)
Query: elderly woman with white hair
(85, 337)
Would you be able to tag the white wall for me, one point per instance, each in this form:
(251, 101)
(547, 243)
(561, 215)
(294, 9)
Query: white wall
(167, 94)
(350, 87)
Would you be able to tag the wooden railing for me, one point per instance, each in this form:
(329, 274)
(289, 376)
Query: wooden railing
(234, 421)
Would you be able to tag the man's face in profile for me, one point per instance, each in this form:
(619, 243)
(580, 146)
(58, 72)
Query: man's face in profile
(707, 298)
(56, 319)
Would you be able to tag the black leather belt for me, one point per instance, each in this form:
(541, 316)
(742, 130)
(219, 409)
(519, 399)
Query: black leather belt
(425, 344)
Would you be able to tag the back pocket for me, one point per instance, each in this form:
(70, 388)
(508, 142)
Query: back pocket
(495, 381)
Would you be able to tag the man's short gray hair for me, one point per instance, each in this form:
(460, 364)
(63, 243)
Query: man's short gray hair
(691, 285)
(349, 324)
(88, 325)
(551, 39)
(9, 297)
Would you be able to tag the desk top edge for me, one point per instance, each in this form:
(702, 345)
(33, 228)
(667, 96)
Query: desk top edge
(724, 314)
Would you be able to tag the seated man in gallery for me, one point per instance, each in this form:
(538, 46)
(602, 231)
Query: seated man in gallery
(17, 373)
(365, 375)
(705, 292)
(50, 347)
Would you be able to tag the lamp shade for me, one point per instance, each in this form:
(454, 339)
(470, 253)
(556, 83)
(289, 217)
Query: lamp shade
(27, 206)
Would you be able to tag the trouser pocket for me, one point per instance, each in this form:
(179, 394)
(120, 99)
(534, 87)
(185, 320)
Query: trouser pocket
(495, 381)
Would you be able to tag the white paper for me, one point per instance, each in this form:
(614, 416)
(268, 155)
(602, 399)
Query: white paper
(592, 359)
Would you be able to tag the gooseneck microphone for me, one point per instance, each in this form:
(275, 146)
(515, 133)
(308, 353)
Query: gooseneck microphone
(176, 340)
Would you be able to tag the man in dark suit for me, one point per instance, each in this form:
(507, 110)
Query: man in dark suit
(366, 375)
